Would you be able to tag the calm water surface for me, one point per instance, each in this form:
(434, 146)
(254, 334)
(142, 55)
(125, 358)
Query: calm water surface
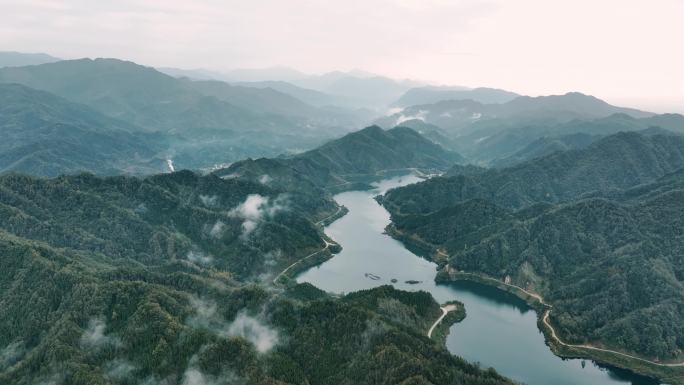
(499, 331)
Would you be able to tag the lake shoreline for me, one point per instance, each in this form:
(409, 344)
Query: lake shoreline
(431, 253)
(563, 351)
(371, 244)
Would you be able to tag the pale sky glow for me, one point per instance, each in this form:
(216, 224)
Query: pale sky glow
(626, 51)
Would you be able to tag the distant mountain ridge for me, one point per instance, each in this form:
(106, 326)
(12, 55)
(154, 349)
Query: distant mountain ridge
(125, 90)
(460, 114)
(18, 59)
(209, 122)
(352, 161)
(492, 134)
(47, 135)
(350, 89)
(430, 95)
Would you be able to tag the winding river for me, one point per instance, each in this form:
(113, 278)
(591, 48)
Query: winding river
(499, 331)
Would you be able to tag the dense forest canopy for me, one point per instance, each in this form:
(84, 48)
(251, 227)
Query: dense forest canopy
(598, 232)
(166, 280)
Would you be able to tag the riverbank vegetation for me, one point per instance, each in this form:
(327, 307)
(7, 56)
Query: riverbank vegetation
(600, 239)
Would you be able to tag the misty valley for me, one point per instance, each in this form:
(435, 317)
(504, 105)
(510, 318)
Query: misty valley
(261, 225)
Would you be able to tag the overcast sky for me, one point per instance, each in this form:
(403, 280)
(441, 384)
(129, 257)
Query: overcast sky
(625, 51)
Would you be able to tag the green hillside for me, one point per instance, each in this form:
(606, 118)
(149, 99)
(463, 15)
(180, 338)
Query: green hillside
(47, 135)
(166, 280)
(350, 162)
(618, 161)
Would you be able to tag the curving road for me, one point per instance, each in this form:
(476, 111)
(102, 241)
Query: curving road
(327, 245)
(545, 320)
(555, 337)
(445, 309)
(339, 208)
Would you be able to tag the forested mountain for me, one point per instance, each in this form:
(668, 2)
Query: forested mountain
(366, 91)
(269, 100)
(351, 161)
(597, 232)
(308, 96)
(374, 149)
(192, 74)
(432, 132)
(491, 142)
(17, 59)
(265, 100)
(611, 268)
(137, 94)
(172, 217)
(618, 161)
(46, 135)
(429, 95)
(166, 280)
(491, 134)
(546, 145)
(350, 89)
(461, 114)
(264, 74)
(210, 122)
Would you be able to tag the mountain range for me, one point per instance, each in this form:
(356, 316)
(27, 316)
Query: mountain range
(47, 135)
(468, 115)
(430, 94)
(595, 231)
(617, 161)
(118, 268)
(18, 59)
(205, 122)
(352, 161)
(499, 134)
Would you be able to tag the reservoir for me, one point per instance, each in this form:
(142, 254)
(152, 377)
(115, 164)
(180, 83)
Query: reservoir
(499, 330)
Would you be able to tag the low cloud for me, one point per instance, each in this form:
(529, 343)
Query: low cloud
(205, 316)
(11, 354)
(141, 209)
(51, 379)
(209, 200)
(271, 259)
(118, 369)
(94, 336)
(263, 337)
(194, 376)
(216, 230)
(154, 380)
(199, 258)
(420, 115)
(265, 179)
(393, 111)
(255, 209)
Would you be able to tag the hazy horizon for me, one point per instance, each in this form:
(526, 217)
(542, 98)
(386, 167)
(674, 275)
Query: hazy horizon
(624, 52)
